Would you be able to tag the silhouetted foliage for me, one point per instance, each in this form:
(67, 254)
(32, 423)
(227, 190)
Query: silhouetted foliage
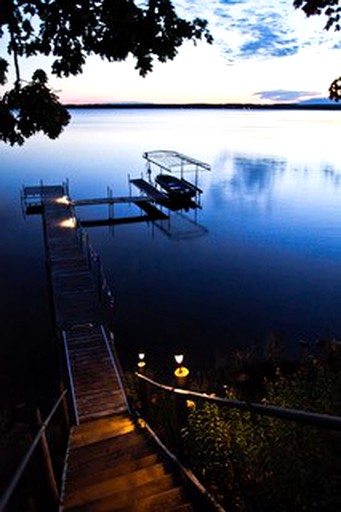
(332, 10)
(335, 90)
(29, 109)
(70, 32)
(329, 8)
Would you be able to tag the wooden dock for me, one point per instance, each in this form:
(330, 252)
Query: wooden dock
(79, 313)
(110, 463)
(111, 200)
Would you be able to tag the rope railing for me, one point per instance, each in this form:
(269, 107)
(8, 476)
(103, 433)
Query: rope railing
(5, 498)
(297, 415)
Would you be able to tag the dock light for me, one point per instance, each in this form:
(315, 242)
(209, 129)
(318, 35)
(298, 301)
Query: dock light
(141, 364)
(71, 222)
(63, 200)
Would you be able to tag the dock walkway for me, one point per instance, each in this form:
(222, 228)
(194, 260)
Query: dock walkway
(110, 463)
(94, 378)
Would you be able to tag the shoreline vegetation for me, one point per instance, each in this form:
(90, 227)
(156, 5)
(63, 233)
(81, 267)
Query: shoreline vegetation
(247, 462)
(251, 462)
(208, 106)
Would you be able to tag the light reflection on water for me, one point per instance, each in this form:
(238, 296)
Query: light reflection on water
(270, 260)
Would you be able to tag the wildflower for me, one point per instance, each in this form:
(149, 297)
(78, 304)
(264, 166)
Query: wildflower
(190, 404)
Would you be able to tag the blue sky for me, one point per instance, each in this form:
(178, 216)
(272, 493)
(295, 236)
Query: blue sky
(263, 51)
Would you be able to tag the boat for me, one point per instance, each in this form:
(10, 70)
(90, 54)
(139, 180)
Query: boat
(176, 188)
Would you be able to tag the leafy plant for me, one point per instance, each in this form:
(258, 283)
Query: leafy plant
(255, 463)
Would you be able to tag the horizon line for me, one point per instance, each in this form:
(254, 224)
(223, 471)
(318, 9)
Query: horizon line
(228, 105)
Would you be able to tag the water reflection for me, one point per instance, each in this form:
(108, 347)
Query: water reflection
(332, 175)
(270, 258)
(247, 181)
(255, 176)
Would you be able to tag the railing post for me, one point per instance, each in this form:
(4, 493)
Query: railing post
(51, 479)
(143, 395)
(181, 415)
(65, 409)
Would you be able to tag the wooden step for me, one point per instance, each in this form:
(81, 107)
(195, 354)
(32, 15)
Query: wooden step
(107, 453)
(141, 498)
(111, 390)
(124, 487)
(113, 467)
(89, 378)
(95, 431)
(109, 432)
(186, 507)
(120, 468)
(105, 395)
(134, 453)
(161, 502)
(85, 416)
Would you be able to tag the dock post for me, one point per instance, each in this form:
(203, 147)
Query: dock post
(23, 201)
(149, 172)
(129, 186)
(110, 203)
(67, 187)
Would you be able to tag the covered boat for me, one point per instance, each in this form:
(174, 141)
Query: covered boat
(169, 163)
(175, 187)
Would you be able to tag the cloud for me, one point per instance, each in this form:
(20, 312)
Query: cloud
(258, 29)
(284, 95)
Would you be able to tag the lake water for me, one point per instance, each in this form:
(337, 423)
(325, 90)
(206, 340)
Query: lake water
(268, 258)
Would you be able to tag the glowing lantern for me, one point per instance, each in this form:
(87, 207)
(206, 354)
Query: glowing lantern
(181, 371)
(141, 364)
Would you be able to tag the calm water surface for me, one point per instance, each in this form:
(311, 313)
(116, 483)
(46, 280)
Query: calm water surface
(268, 261)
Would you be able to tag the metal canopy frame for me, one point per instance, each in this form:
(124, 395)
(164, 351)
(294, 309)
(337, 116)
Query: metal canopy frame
(172, 161)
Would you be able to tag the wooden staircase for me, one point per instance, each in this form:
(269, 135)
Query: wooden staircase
(111, 465)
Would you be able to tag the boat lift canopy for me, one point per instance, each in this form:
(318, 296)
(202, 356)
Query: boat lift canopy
(172, 161)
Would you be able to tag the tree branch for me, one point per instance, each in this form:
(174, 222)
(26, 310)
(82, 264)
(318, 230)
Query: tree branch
(14, 46)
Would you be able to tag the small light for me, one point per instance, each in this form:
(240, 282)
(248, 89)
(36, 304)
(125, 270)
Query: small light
(141, 364)
(181, 372)
(63, 200)
(71, 222)
(179, 358)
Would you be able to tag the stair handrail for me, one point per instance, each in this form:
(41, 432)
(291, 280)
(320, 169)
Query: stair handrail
(298, 415)
(25, 460)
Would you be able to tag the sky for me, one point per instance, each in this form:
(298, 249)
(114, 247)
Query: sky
(264, 51)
